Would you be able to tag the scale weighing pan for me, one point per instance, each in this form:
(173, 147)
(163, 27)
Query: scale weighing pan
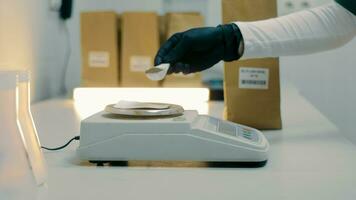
(171, 110)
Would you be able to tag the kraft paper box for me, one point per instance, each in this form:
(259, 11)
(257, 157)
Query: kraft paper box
(139, 45)
(99, 43)
(178, 22)
(252, 87)
(181, 21)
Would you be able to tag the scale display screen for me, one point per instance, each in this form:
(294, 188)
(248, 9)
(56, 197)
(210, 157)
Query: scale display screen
(228, 128)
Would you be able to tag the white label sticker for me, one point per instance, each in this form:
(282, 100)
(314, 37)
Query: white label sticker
(181, 75)
(253, 78)
(99, 59)
(140, 63)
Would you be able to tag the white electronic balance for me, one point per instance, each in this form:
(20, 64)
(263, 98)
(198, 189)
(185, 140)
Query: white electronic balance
(165, 132)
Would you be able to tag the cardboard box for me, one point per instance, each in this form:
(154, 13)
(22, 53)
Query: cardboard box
(185, 81)
(140, 43)
(99, 42)
(162, 26)
(252, 87)
(178, 22)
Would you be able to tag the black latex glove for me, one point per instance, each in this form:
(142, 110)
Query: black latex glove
(200, 48)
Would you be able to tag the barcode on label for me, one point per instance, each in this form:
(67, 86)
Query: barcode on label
(253, 82)
(253, 78)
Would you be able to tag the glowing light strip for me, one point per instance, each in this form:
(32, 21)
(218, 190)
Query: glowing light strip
(91, 100)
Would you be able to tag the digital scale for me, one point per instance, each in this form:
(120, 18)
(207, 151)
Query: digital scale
(168, 134)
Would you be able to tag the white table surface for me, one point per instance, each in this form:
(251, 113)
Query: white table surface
(309, 159)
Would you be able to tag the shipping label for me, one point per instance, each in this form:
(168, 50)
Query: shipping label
(140, 63)
(181, 75)
(253, 78)
(99, 59)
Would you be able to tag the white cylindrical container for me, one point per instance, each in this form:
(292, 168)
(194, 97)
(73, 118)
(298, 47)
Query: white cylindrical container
(28, 127)
(16, 177)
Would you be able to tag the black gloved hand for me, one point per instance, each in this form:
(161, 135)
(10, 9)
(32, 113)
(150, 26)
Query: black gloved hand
(200, 48)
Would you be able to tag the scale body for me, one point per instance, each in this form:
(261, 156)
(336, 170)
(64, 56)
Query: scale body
(189, 137)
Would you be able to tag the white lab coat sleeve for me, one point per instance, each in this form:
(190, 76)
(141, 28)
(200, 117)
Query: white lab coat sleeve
(309, 31)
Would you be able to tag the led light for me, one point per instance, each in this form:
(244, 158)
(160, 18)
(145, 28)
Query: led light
(91, 100)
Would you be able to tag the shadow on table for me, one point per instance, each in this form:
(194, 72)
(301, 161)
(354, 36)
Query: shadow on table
(170, 164)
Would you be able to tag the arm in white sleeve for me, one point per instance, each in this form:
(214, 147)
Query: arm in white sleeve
(305, 32)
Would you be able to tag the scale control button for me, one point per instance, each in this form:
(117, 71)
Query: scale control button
(248, 134)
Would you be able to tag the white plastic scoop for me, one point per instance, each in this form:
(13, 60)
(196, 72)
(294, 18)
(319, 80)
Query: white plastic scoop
(158, 72)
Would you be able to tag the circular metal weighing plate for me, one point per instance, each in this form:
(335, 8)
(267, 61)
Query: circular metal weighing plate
(172, 110)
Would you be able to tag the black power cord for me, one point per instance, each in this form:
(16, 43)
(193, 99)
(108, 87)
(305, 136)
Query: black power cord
(61, 147)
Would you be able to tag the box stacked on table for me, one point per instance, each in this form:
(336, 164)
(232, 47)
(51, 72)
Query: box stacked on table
(100, 51)
(117, 49)
(252, 88)
(179, 22)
